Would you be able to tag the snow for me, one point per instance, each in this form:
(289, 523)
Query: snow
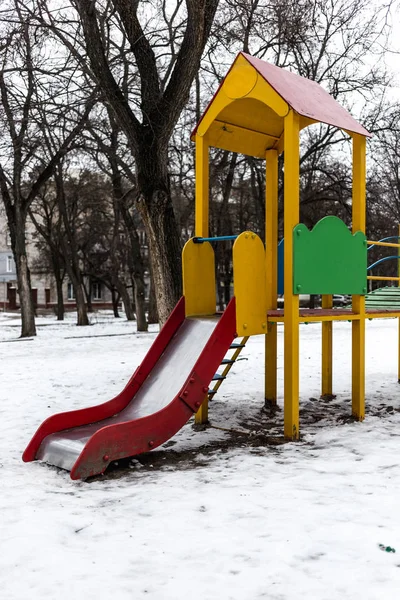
(211, 515)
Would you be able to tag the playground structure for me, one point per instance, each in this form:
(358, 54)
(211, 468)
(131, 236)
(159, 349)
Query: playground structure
(258, 110)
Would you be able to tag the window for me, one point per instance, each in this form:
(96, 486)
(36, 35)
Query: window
(70, 292)
(9, 267)
(96, 290)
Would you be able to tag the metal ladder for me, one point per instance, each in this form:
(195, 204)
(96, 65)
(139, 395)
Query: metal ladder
(227, 364)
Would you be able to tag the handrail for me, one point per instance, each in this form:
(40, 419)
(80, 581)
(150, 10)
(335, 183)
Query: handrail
(218, 238)
(381, 260)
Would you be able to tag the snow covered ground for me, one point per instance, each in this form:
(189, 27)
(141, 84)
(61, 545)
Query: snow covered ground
(211, 515)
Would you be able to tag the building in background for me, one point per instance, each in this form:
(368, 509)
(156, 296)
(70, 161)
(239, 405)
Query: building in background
(8, 272)
(42, 282)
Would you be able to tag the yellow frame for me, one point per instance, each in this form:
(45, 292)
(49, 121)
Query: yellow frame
(229, 124)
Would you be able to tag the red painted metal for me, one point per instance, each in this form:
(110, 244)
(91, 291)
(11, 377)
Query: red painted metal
(135, 437)
(131, 438)
(305, 96)
(75, 418)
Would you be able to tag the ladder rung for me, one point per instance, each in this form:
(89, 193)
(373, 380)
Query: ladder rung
(227, 361)
(217, 377)
(211, 392)
(236, 345)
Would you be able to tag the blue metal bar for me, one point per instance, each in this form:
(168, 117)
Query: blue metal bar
(386, 239)
(220, 238)
(381, 260)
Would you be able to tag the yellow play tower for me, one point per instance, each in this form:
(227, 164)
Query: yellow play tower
(259, 110)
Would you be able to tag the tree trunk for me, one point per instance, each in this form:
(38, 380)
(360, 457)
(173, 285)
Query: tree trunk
(152, 316)
(155, 205)
(70, 253)
(141, 321)
(88, 294)
(115, 302)
(59, 287)
(18, 240)
(82, 318)
(126, 300)
(25, 296)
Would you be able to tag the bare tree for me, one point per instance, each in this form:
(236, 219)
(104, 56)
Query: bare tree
(109, 153)
(28, 87)
(165, 60)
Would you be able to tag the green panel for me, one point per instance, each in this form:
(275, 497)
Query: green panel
(329, 259)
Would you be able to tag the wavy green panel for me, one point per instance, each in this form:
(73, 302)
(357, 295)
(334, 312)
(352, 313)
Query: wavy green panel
(329, 259)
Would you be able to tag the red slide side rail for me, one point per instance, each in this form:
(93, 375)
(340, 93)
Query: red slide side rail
(84, 416)
(131, 438)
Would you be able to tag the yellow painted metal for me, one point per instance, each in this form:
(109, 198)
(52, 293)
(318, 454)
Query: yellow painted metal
(230, 137)
(271, 271)
(198, 266)
(229, 366)
(350, 317)
(358, 304)
(388, 244)
(378, 278)
(246, 114)
(202, 183)
(240, 80)
(291, 333)
(327, 344)
(249, 285)
(198, 260)
(317, 318)
(201, 417)
(382, 315)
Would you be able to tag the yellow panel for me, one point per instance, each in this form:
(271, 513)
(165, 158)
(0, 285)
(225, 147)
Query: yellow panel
(241, 80)
(229, 137)
(198, 279)
(249, 284)
(306, 121)
(249, 103)
(252, 114)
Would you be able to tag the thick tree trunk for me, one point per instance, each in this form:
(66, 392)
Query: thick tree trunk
(75, 277)
(59, 288)
(60, 300)
(126, 300)
(82, 318)
(155, 206)
(25, 296)
(141, 321)
(28, 327)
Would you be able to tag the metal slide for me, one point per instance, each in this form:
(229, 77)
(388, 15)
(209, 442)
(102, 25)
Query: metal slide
(164, 392)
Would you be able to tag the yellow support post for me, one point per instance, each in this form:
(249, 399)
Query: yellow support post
(271, 269)
(291, 335)
(202, 184)
(327, 332)
(201, 225)
(358, 326)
